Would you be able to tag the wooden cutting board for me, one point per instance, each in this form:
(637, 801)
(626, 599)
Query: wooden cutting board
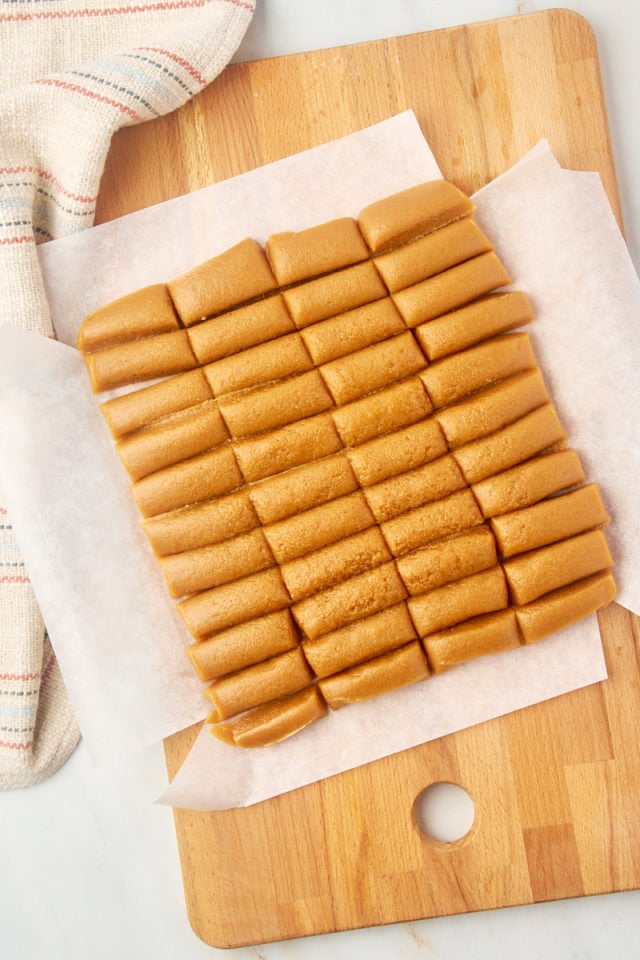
(556, 787)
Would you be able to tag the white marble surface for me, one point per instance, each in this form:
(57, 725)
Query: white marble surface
(88, 865)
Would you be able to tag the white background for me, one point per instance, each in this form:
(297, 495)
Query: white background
(88, 865)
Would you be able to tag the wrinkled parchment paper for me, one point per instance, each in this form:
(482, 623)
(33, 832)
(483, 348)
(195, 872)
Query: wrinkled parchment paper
(118, 640)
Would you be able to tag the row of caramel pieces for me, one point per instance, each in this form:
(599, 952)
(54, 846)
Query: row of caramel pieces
(345, 579)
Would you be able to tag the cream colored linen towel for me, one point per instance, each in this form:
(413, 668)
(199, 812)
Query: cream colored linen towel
(71, 74)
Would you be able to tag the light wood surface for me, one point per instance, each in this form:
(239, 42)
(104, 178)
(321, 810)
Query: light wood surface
(556, 787)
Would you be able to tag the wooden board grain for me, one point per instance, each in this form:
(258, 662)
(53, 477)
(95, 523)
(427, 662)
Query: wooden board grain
(556, 787)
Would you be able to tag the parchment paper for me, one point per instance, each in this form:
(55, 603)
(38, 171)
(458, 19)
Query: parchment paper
(112, 624)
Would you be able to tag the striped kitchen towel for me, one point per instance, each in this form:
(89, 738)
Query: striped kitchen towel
(71, 74)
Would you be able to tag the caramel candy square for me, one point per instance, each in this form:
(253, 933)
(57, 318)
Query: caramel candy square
(317, 250)
(290, 446)
(550, 520)
(532, 574)
(138, 360)
(382, 412)
(358, 597)
(302, 488)
(179, 437)
(240, 329)
(490, 633)
(528, 482)
(531, 434)
(493, 408)
(318, 527)
(353, 330)
(451, 289)
(141, 407)
(273, 721)
(258, 684)
(256, 366)
(447, 560)
(432, 521)
(375, 677)
(454, 377)
(325, 567)
(432, 481)
(244, 644)
(460, 600)
(359, 641)
(412, 213)
(202, 524)
(473, 323)
(276, 404)
(431, 254)
(200, 478)
(239, 274)
(144, 313)
(334, 293)
(216, 563)
(365, 371)
(565, 606)
(221, 607)
(398, 452)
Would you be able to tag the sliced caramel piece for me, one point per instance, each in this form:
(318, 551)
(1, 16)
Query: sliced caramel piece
(532, 574)
(273, 721)
(138, 360)
(239, 274)
(381, 675)
(410, 490)
(531, 434)
(302, 488)
(200, 478)
(432, 254)
(550, 520)
(447, 560)
(240, 329)
(491, 633)
(431, 522)
(140, 314)
(565, 606)
(454, 602)
(360, 373)
(274, 360)
(353, 330)
(334, 293)
(398, 452)
(216, 563)
(481, 319)
(492, 408)
(258, 684)
(358, 597)
(321, 249)
(412, 213)
(275, 405)
(141, 407)
(362, 640)
(382, 412)
(318, 527)
(244, 644)
(529, 482)
(290, 446)
(183, 435)
(463, 373)
(202, 524)
(325, 567)
(232, 603)
(450, 289)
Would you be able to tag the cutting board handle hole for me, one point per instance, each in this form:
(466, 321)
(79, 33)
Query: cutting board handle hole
(444, 812)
